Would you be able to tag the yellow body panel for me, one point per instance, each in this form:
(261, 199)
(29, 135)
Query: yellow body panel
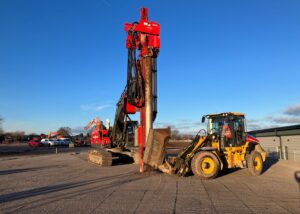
(216, 144)
(234, 156)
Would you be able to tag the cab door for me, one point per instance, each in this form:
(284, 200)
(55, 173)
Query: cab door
(239, 131)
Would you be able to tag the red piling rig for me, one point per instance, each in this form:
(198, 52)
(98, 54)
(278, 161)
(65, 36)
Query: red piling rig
(99, 135)
(144, 36)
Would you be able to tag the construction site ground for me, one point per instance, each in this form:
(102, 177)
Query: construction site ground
(67, 183)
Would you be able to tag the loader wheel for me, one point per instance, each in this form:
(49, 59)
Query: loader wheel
(206, 165)
(255, 163)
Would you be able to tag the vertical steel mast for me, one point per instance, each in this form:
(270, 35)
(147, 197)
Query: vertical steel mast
(141, 78)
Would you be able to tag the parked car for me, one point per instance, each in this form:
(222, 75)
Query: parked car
(35, 143)
(57, 142)
(49, 142)
(44, 141)
(63, 141)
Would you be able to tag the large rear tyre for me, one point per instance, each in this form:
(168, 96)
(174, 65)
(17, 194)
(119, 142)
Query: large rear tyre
(255, 163)
(205, 165)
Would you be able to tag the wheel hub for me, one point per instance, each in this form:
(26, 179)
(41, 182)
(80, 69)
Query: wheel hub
(207, 165)
(257, 163)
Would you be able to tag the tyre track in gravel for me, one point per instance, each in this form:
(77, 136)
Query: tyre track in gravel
(80, 173)
(239, 181)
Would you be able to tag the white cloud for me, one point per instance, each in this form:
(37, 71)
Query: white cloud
(94, 107)
(290, 120)
(293, 110)
(289, 116)
(253, 124)
(184, 126)
(271, 122)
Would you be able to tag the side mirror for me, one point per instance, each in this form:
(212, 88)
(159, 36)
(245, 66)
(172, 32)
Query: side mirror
(203, 119)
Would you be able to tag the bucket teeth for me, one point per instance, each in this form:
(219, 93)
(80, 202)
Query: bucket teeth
(166, 168)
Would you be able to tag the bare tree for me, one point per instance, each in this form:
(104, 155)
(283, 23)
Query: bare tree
(175, 134)
(64, 131)
(17, 136)
(1, 130)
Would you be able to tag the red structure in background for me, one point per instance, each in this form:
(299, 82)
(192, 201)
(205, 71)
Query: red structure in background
(54, 135)
(99, 135)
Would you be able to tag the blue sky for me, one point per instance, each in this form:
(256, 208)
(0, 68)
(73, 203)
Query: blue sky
(64, 62)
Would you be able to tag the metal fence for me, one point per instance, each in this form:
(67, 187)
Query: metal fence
(273, 152)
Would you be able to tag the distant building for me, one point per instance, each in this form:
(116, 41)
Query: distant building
(281, 142)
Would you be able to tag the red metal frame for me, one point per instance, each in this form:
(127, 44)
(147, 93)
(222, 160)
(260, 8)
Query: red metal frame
(146, 40)
(130, 109)
(148, 33)
(100, 137)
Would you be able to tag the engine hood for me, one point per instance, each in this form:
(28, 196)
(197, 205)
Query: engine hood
(250, 138)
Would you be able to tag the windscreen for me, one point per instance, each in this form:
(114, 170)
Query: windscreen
(215, 124)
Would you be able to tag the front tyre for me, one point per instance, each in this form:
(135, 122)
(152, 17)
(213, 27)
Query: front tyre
(255, 163)
(205, 165)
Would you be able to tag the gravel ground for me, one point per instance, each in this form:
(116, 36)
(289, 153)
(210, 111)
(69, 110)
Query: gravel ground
(66, 183)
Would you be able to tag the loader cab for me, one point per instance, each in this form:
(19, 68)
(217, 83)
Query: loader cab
(228, 128)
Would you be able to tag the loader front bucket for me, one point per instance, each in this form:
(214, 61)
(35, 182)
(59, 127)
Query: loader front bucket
(155, 148)
(166, 167)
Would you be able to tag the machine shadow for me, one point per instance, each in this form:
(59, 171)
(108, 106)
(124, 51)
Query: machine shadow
(227, 171)
(14, 171)
(122, 160)
(270, 161)
(116, 181)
